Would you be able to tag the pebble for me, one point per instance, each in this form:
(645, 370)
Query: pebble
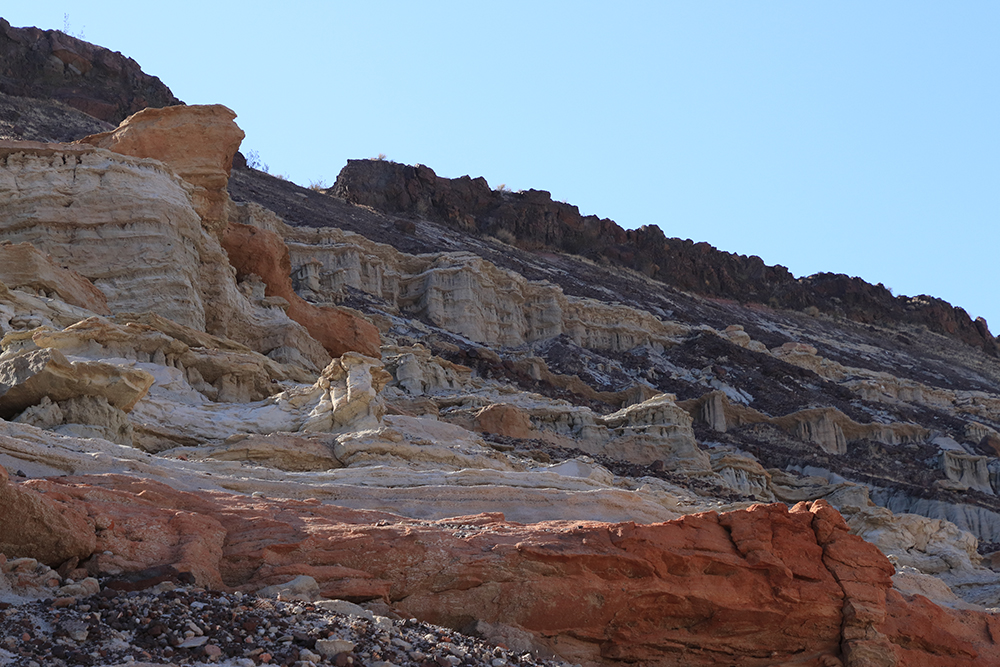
(306, 654)
(331, 647)
(192, 642)
(188, 625)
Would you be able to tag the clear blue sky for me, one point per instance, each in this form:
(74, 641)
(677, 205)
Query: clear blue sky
(854, 137)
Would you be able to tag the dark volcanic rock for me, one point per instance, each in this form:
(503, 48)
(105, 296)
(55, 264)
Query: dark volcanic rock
(26, 118)
(531, 220)
(51, 64)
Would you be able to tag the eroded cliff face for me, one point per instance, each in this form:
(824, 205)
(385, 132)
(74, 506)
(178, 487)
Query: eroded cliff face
(147, 232)
(763, 586)
(476, 433)
(532, 220)
(56, 197)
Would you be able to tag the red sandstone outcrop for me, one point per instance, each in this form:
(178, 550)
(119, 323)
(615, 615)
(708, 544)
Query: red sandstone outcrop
(506, 420)
(39, 525)
(763, 586)
(51, 64)
(263, 253)
(197, 142)
(22, 266)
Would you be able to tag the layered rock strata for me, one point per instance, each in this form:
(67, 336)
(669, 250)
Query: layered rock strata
(261, 253)
(683, 592)
(69, 201)
(462, 293)
(197, 142)
(531, 219)
(24, 268)
(573, 396)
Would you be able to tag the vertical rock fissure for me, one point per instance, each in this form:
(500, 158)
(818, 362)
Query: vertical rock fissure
(861, 643)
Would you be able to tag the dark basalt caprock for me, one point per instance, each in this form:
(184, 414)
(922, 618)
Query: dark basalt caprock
(533, 221)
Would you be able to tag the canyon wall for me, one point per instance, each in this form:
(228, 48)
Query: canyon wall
(531, 219)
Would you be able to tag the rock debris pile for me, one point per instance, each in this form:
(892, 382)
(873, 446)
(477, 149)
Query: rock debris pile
(183, 625)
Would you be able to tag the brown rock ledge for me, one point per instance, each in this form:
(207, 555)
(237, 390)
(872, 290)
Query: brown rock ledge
(763, 586)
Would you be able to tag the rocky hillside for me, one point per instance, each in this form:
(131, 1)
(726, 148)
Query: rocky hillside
(51, 65)
(531, 220)
(470, 408)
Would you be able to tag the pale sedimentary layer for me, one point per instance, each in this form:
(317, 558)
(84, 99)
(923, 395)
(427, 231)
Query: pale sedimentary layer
(125, 223)
(129, 225)
(460, 292)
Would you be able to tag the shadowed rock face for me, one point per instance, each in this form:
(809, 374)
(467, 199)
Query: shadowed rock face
(51, 64)
(22, 266)
(263, 253)
(531, 220)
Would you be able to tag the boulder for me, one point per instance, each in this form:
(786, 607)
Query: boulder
(42, 526)
(198, 142)
(29, 376)
(505, 420)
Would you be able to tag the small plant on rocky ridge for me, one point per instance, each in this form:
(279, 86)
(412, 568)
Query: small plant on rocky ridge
(254, 162)
(78, 35)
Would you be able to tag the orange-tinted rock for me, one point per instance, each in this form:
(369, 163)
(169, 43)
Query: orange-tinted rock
(24, 266)
(40, 526)
(926, 635)
(506, 420)
(137, 525)
(198, 142)
(762, 586)
(264, 253)
(864, 574)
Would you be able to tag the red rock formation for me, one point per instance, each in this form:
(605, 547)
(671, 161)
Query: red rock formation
(926, 635)
(506, 420)
(198, 142)
(41, 526)
(24, 266)
(264, 253)
(51, 64)
(763, 586)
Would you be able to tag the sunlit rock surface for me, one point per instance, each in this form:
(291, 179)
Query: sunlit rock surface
(479, 427)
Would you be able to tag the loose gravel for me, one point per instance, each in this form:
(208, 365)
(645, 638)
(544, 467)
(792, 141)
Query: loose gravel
(186, 625)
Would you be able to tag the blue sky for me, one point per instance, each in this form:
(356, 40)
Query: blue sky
(853, 137)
